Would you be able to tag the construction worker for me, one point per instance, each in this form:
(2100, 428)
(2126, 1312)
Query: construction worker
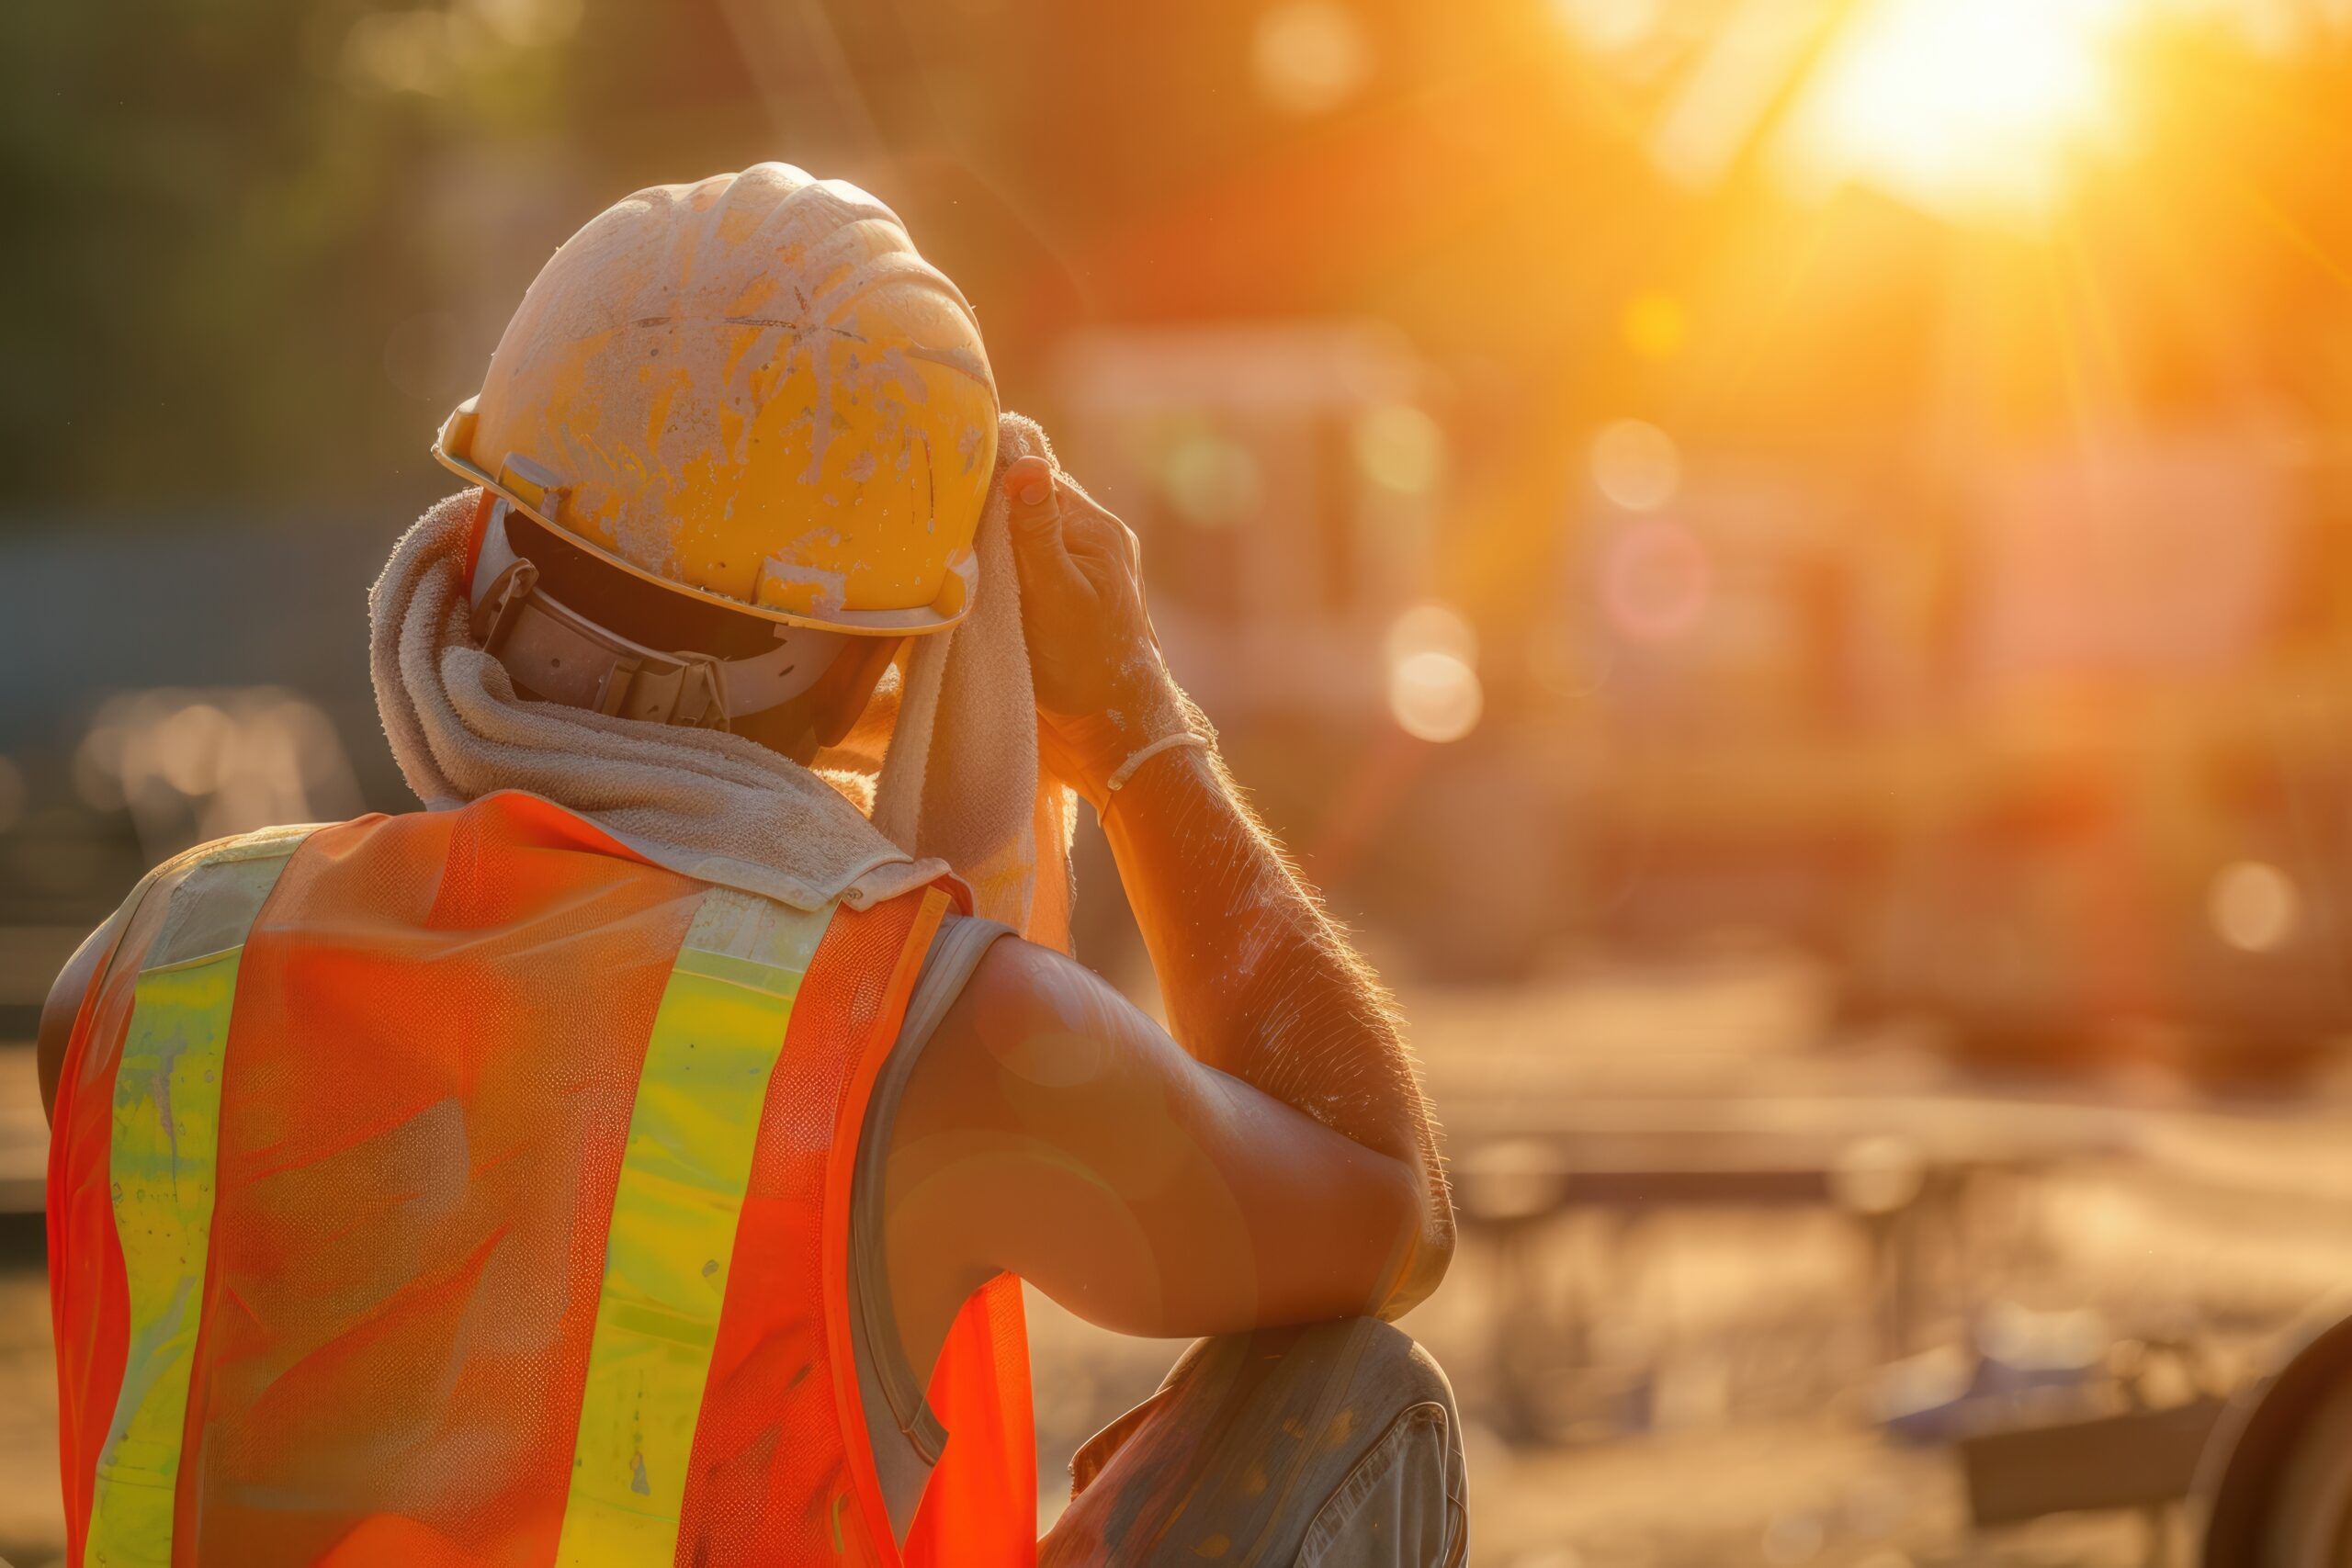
(630, 1159)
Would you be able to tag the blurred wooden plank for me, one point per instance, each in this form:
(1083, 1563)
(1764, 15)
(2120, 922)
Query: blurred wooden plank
(2132, 1460)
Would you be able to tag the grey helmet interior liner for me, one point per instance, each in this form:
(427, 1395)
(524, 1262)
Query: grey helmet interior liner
(561, 655)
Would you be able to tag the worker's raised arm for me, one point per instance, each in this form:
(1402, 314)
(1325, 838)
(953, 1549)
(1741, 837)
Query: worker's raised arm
(1259, 983)
(1055, 1132)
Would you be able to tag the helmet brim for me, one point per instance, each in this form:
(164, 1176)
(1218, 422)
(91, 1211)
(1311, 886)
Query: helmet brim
(953, 603)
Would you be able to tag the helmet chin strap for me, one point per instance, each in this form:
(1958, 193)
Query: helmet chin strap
(559, 655)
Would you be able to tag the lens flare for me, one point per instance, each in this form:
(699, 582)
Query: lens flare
(1962, 105)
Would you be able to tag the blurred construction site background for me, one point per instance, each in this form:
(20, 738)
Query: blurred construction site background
(1784, 562)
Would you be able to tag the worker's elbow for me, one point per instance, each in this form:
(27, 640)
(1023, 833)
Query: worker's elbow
(1424, 1253)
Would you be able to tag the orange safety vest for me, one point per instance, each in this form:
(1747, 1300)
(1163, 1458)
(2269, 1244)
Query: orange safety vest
(463, 1189)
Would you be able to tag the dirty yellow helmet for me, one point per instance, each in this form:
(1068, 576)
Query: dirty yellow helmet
(754, 391)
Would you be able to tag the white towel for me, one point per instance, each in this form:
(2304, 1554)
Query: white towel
(947, 758)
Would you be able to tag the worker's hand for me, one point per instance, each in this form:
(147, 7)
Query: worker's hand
(1101, 688)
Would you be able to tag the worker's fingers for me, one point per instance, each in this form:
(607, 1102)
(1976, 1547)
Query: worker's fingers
(1066, 544)
(1033, 511)
(1049, 578)
(1094, 534)
(1031, 502)
(1097, 536)
(1081, 599)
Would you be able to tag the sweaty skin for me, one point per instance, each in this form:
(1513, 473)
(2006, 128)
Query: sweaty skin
(1266, 1160)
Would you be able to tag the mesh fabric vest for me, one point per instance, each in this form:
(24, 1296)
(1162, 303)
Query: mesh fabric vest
(461, 1188)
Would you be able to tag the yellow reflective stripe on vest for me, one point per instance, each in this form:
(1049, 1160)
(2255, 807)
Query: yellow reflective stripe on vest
(161, 1160)
(716, 1040)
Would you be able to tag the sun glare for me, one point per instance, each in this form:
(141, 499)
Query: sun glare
(1963, 104)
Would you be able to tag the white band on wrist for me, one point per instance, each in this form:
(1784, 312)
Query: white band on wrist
(1138, 757)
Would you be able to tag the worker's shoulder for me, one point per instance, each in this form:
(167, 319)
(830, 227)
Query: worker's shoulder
(1033, 1022)
(1019, 986)
(259, 843)
(55, 1033)
(81, 971)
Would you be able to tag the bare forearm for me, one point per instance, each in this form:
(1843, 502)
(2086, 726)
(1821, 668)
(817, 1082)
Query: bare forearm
(1259, 982)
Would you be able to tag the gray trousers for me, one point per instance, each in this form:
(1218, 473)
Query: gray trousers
(1335, 1445)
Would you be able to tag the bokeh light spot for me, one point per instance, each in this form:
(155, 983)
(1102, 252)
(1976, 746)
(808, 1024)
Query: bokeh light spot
(1435, 696)
(2253, 906)
(1211, 480)
(1635, 465)
(1610, 25)
(1655, 325)
(1310, 56)
(400, 52)
(195, 765)
(1656, 582)
(1433, 627)
(1400, 448)
(188, 746)
(527, 24)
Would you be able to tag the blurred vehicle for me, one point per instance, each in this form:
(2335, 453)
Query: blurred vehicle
(2066, 773)
(2045, 754)
(2146, 851)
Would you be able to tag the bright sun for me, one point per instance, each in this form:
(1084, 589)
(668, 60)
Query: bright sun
(1963, 106)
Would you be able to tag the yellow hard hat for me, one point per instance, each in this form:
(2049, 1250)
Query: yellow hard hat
(752, 390)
